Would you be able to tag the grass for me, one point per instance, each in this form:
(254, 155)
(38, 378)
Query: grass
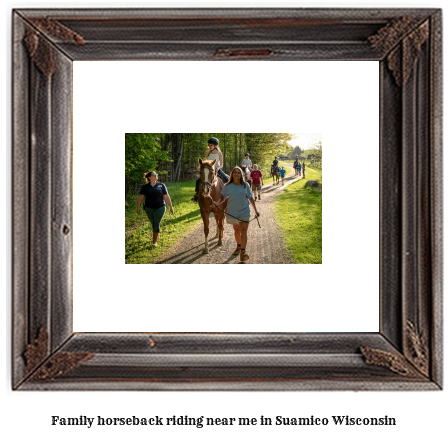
(299, 214)
(138, 240)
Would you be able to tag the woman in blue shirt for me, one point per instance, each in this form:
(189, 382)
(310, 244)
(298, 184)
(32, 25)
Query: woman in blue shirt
(239, 197)
(155, 194)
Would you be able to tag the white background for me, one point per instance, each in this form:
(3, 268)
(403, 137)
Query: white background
(338, 99)
(418, 414)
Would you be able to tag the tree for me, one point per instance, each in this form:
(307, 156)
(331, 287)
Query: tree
(142, 154)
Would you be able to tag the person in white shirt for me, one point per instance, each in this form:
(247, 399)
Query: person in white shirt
(246, 163)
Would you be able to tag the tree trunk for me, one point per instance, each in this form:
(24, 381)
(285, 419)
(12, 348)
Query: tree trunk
(240, 153)
(171, 162)
(179, 157)
(166, 144)
(224, 155)
(236, 149)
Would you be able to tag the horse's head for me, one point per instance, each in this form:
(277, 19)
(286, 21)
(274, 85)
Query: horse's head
(207, 174)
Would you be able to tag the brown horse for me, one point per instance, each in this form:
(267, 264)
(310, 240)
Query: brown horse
(210, 192)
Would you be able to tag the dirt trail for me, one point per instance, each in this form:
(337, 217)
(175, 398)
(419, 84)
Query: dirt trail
(265, 244)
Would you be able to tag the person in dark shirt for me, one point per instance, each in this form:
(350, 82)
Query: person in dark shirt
(274, 166)
(154, 194)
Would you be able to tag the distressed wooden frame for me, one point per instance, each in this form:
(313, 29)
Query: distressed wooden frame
(406, 354)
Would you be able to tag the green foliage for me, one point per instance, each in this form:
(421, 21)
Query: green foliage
(314, 153)
(299, 214)
(142, 154)
(296, 151)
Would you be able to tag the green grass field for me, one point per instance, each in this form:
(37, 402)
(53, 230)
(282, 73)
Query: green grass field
(299, 214)
(139, 249)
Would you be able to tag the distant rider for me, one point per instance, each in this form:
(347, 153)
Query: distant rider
(246, 163)
(296, 165)
(274, 166)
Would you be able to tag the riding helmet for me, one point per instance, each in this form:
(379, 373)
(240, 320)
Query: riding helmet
(214, 140)
(246, 154)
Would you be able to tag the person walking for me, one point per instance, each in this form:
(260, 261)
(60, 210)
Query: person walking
(282, 174)
(239, 199)
(155, 195)
(299, 167)
(257, 181)
(212, 153)
(303, 168)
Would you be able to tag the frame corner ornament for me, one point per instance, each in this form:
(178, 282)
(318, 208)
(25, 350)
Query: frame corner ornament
(39, 49)
(397, 363)
(401, 39)
(418, 350)
(41, 366)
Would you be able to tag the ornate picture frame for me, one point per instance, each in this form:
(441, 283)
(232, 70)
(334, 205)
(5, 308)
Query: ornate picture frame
(406, 353)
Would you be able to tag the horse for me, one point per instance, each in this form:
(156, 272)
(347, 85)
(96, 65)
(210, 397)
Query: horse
(246, 175)
(209, 193)
(275, 173)
(296, 167)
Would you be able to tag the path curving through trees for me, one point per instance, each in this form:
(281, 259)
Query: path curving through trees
(265, 244)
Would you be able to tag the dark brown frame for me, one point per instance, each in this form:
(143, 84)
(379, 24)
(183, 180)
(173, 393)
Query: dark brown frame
(406, 354)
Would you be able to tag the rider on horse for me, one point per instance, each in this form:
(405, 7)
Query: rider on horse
(296, 162)
(213, 153)
(246, 164)
(246, 167)
(274, 167)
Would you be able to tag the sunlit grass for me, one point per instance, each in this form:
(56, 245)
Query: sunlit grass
(299, 214)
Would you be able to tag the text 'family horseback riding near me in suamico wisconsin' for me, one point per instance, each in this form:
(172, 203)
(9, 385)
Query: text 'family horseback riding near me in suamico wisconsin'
(201, 421)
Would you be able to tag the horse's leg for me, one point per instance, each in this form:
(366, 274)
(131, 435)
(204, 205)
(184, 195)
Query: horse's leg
(219, 228)
(205, 219)
(217, 222)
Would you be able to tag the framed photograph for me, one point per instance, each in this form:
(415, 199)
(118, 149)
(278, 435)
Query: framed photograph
(404, 354)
